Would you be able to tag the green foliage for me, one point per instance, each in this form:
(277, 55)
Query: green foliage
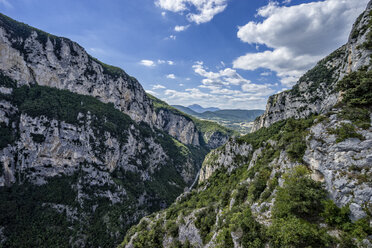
(7, 135)
(289, 133)
(358, 116)
(295, 232)
(172, 228)
(253, 232)
(300, 196)
(38, 138)
(113, 71)
(6, 81)
(368, 43)
(65, 106)
(224, 239)
(205, 219)
(318, 75)
(357, 88)
(334, 215)
(30, 224)
(346, 131)
(150, 238)
(339, 218)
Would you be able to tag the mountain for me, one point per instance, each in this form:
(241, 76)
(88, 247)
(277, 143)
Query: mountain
(302, 178)
(199, 109)
(84, 152)
(236, 119)
(186, 110)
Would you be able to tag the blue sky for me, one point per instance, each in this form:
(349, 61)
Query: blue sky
(222, 53)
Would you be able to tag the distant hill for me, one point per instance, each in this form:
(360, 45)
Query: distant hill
(236, 119)
(199, 109)
(186, 110)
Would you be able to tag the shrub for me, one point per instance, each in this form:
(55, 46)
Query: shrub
(295, 232)
(345, 131)
(357, 88)
(300, 196)
(205, 219)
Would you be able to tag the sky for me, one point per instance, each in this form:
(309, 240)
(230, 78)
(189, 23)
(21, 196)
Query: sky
(230, 54)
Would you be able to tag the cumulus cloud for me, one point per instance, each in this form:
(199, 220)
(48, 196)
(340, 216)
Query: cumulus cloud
(205, 10)
(171, 76)
(298, 36)
(158, 86)
(147, 62)
(151, 63)
(224, 88)
(223, 98)
(181, 28)
(226, 77)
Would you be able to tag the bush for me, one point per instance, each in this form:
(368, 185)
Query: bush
(295, 232)
(300, 196)
(345, 131)
(334, 215)
(357, 88)
(205, 219)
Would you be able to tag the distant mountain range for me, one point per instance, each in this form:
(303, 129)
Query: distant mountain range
(237, 119)
(199, 109)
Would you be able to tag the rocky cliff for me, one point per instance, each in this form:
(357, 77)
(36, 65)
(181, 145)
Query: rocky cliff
(315, 91)
(83, 162)
(84, 153)
(31, 56)
(302, 179)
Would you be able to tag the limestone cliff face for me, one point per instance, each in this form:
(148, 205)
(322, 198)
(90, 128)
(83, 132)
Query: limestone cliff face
(314, 94)
(130, 173)
(178, 126)
(244, 178)
(30, 56)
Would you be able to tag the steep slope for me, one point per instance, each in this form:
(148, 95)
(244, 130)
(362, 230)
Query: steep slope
(31, 56)
(315, 92)
(211, 134)
(299, 182)
(84, 163)
(84, 154)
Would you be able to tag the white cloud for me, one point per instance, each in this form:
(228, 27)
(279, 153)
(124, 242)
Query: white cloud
(227, 76)
(181, 28)
(152, 92)
(158, 86)
(266, 73)
(224, 88)
(286, 1)
(171, 37)
(205, 9)
(299, 35)
(147, 62)
(163, 14)
(171, 76)
(223, 98)
(181, 85)
(169, 62)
